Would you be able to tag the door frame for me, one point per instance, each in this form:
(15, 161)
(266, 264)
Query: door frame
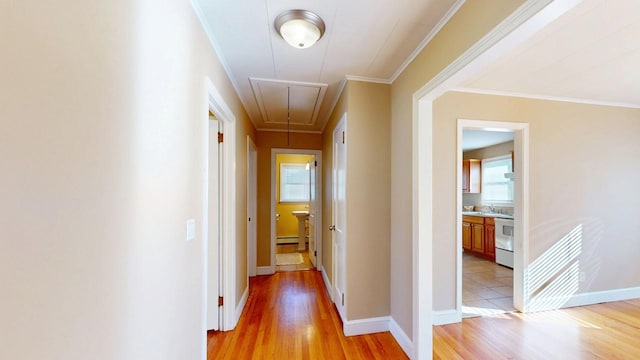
(520, 202)
(215, 103)
(252, 203)
(211, 231)
(318, 155)
(335, 293)
(528, 19)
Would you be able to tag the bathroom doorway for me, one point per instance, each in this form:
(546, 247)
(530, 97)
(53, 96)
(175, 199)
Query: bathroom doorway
(296, 208)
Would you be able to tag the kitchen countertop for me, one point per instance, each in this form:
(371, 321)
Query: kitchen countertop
(487, 214)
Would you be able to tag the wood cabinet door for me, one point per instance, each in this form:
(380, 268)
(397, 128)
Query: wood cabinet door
(490, 241)
(477, 238)
(465, 176)
(466, 236)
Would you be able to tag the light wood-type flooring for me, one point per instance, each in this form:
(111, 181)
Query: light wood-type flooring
(602, 331)
(289, 316)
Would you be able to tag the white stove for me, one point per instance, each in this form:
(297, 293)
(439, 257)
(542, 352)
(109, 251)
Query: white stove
(504, 242)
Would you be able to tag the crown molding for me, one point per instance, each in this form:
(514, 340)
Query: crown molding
(436, 29)
(341, 87)
(546, 97)
(195, 5)
(367, 79)
(289, 131)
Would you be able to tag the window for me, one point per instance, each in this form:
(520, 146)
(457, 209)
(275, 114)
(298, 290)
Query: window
(294, 183)
(495, 187)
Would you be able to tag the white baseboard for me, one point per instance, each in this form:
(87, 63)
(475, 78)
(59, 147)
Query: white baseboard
(365, 326)
(597, 297)
(401, 337)
(264, 270)
(240, 307)
(327, 283)
(443, 317)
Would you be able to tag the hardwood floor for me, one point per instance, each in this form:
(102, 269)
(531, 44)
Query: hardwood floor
(603, 331)
(290, 316)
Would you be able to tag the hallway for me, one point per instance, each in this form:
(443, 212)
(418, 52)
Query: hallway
(290, 316)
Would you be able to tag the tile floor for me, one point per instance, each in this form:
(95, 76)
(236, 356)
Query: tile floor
(487, 288)
(293, 248)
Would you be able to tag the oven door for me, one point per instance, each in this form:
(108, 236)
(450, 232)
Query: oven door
(504, 234)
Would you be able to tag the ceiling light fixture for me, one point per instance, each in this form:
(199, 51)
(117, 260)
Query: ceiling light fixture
(300, 28)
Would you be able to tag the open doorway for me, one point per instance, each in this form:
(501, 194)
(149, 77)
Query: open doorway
(493, 187)
(296, 208)
(487, 195)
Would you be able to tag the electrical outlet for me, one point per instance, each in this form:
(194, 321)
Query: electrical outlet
(583, 276)
(191, 229)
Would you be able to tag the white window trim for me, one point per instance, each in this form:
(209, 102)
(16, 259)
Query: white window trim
(482, 194)
(287, 201)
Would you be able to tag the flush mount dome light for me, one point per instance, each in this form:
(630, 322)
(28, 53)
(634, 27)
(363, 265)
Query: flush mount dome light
(300, 28)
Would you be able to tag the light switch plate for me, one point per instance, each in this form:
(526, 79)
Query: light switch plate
(191, 229)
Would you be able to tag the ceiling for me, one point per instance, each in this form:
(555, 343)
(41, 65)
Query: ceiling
(478, 139)
(590, 54)
(365, 39)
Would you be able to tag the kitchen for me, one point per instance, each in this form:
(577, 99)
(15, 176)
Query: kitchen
(487, 222)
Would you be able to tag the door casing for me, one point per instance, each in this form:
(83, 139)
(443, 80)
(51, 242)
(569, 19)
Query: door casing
(318, 155)
(339, 231)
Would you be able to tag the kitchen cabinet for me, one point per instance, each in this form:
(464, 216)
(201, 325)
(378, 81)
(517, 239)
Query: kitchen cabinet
(478, 236)
(471, 176)
(466, 236)
(490, 238)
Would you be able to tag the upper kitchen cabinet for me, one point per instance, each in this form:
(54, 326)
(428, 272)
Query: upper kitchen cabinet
(471, 176)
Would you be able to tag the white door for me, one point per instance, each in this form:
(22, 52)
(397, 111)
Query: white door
(339, 217)
(213, 230)
(252, 194)
(313, 206)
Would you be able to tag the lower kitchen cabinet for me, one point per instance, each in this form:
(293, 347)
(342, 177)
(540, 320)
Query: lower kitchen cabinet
(466, 236)
(478, 236)
(490, 238)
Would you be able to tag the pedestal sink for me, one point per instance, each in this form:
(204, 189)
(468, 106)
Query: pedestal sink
(302, 215)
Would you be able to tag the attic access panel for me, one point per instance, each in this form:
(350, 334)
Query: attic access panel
(276, 98)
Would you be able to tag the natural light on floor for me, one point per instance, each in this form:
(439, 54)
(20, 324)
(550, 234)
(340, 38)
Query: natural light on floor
(554, 277)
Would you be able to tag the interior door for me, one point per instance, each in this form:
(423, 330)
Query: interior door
(252, 195)
(213, 230)
(339, 227)
(313, 206)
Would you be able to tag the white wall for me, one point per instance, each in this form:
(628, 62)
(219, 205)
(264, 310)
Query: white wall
(101, 164)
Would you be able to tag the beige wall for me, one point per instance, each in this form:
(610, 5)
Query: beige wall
(582, 172)
(265, 141)
(287, 225)
(101, 151)
(474, 19)
(485, 153)
(367, 196)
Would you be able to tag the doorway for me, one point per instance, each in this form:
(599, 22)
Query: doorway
(296, 208)
(218, 219)
(487, 194)
(499, 288)
(252, 206)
